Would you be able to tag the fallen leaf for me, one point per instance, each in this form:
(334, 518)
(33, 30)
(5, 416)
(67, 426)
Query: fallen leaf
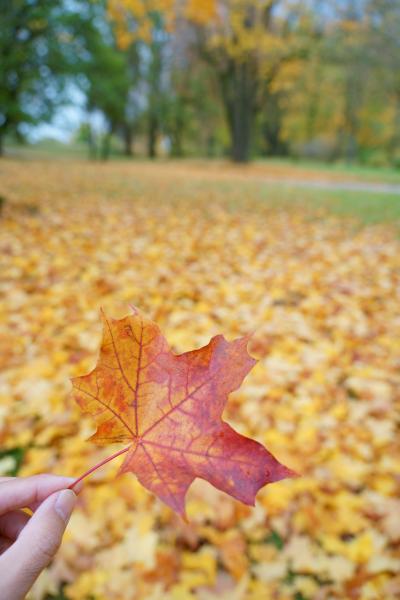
(168, 407)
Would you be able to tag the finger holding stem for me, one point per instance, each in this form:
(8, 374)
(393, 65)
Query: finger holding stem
(100, 464)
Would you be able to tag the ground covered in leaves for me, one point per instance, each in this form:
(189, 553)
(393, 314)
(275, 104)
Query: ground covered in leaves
(204, 257)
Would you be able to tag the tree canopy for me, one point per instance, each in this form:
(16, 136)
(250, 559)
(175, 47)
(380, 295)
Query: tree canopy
(212, 77)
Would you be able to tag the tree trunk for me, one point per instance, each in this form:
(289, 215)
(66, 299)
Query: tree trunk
(272, 127)
(5, 127)
(92, 144)
(152, 136)
(210, 145)
(351, 121)
(105, 146)
(128, 140)
(394, 143)
(177, 135)
(241, 131)
(239, 95)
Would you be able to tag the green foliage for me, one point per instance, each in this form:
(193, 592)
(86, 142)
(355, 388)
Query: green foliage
(275, 539)
(308, 80)
(17, 456)
(35, 47)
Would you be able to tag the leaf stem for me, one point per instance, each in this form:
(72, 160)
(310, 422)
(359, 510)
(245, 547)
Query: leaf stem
(100, 464)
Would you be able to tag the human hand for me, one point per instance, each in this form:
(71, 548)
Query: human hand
(28, 544)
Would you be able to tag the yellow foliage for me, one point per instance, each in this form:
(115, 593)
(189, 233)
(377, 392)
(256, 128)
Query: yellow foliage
(201, 11)
(237, 27)
(202, 257)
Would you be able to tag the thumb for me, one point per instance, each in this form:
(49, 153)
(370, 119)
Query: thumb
(37, 544)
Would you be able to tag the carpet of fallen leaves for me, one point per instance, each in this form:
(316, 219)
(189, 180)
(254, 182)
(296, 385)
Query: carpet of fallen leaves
(322, 296)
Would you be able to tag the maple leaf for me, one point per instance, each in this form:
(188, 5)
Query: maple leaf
(168, 407)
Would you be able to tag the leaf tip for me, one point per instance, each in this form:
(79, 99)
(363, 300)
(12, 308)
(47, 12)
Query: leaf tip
(133, 308)
(283, 472)
(247, 338)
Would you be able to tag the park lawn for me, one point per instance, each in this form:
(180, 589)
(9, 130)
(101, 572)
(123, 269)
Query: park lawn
(367, 207)
(364, 206)
(338, 170)
(302, 169)
(188, 180)
(206, 251)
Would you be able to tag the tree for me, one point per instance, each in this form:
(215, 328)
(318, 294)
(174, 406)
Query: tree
(244, 42)
(102, 72)
(34, 46)
(384, 40)
(153, 64)
(348, 49)
(141, 32)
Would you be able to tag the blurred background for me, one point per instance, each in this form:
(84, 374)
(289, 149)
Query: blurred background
(226, 166)
(276, 78)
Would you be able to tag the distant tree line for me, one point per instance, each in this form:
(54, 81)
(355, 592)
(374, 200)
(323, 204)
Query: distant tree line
(316, 78)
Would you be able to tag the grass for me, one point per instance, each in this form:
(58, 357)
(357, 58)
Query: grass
(47, 149)
(190, 181)
(286, 167)
(360, 172)
(368, 207)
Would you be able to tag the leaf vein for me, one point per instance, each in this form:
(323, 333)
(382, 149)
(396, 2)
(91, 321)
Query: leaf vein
(106, 406)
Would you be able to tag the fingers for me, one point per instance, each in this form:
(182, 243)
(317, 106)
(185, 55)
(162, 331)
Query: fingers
(22, 492)
(36, 545)
(12, 524)
(5, 543)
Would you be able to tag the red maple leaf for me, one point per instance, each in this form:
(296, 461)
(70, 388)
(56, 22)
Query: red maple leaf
(168, 408)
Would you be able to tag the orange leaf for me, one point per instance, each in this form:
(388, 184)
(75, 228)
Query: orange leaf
(168, 407)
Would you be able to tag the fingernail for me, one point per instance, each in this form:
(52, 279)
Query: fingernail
(65, 503)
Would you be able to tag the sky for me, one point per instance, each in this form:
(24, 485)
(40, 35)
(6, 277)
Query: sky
(65, 122)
